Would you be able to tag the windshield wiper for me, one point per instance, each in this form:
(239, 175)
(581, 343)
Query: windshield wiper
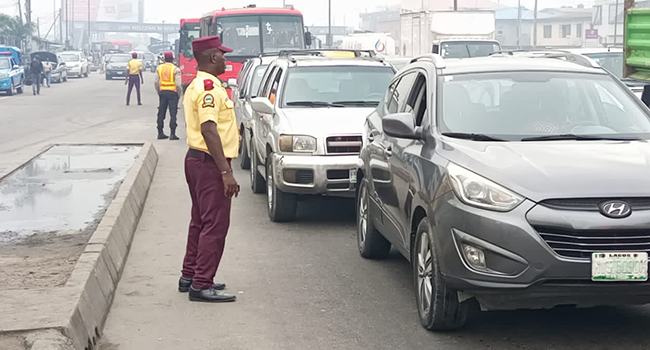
(363, 103)
(314, 104)
(578, 138)
(473, 137)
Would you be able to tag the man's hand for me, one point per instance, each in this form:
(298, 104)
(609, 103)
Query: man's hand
(231, 188)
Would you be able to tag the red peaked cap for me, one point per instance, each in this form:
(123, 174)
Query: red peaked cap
(208, 43)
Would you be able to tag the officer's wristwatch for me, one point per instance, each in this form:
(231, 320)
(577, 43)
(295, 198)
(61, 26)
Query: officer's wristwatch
(226, 172)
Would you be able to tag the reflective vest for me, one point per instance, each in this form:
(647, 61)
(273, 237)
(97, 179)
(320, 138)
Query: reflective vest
(167, 77)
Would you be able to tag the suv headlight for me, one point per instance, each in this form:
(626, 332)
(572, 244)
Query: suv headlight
(477, 191)
(297, 143)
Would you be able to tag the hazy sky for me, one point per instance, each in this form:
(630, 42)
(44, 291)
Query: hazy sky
(315, 11)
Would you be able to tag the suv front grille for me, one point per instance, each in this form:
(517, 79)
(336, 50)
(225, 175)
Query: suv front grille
(344, 144)
(591, 204)
(582, 243)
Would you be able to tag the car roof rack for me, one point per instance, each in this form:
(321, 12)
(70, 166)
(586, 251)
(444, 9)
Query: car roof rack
(436, 59)
(557, 54)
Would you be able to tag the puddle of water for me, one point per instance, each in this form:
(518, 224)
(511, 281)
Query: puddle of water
(66, 189)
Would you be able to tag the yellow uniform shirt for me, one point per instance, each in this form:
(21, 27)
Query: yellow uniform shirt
(134, 66)
(202, 104)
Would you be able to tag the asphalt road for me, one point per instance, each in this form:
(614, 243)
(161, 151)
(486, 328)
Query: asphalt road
(300, 285)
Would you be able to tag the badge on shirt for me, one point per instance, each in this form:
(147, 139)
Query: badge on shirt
(208, 84)
(208, 101)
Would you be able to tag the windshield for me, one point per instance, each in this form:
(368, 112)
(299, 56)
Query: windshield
(517, 105)
(5, 63)
(612, 61)
(70, 57)
(256, 80)
(337, 85)
(189, 32)
(467, 49)
(119, 58)
(279, 32)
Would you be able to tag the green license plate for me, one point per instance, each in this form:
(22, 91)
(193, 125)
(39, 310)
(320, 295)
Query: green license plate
(619, 267)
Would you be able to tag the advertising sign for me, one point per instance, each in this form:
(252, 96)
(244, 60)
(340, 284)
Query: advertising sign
(591, 34)
(104, 10)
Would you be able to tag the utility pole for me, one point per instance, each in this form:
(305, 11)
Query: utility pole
(38, 27)
(616, 23)
(519, 25)
(88, 31)
(72, 13)
(61, 25)
(163, 32)
(535, 27)
(330, 40)
(455, 5)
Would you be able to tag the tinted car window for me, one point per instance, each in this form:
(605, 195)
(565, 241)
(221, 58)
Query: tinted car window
(256, 80)
(516, 105)
(612, 61)
(336, 84)
(401, 93)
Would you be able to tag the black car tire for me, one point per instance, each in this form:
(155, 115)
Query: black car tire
(282, 206)
(244, 158)
(258, 185)
(11, 90)
(371, 243)
(443, 312)
(65, 79)
(20, 90)
(108, 77)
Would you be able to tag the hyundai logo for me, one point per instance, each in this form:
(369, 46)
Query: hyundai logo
(615, 209)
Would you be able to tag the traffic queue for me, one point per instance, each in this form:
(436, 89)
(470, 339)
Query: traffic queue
(39, 68)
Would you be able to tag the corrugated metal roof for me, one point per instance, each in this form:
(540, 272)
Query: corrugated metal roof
(510, 13)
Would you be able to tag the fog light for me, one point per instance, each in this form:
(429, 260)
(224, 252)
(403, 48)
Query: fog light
(474, 256)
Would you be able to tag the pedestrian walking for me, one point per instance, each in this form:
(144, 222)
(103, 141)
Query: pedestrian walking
(213, 142)
(168, 87)
(36, 71)
(134, 78)
(47, 69)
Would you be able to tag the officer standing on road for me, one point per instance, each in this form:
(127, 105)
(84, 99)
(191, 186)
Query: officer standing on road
(168, 86)
(213, 140)
(134, 78)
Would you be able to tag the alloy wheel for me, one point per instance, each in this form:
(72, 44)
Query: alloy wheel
(363, 216)
(270, 188)
(425, 273)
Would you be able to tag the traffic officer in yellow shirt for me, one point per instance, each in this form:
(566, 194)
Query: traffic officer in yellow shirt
(134, 78)
(213, 142)
(168, 87)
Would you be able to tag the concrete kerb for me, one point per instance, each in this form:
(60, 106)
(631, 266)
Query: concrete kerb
(91, 286)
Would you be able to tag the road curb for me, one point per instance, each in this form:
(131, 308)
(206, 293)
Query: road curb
(83, 303)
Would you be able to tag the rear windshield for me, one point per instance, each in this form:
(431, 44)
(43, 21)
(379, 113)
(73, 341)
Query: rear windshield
(467, 49)
(70, 57)
(338, 84)
(120, 58)
(612, 61)
(516, 105)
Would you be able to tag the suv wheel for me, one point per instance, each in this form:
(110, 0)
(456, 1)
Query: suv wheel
(282, 206)
(244, 158)
(257, 180)
(12, 90)
(372, 245)
(438, 305)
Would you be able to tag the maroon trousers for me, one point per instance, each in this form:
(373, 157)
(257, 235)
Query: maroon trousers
(134, 81)
(210, 220)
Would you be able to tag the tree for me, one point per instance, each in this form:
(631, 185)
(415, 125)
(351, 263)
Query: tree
(15, 30)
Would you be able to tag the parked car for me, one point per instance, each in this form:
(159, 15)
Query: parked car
(116, 65)
(150, 62)
(12, 76)
(245, 88)
(514, 182)
(76, 63)
(307, 130)
(59, 68)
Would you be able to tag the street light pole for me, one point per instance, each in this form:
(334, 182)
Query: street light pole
(163, 31)
(535, 27)
(519, 25)
(329, 26)
(89, 45)
(616, 24)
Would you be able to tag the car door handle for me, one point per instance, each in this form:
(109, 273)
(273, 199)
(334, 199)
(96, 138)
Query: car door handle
(388, 151)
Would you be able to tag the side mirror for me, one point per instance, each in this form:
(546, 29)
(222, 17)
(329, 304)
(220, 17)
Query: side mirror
(262, 105)
(232, 83)
(401, 125)
(15, 67)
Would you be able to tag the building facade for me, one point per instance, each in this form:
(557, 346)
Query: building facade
(384, 21)
(563, 27)
(609, 23)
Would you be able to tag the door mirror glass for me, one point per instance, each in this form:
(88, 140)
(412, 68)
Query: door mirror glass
(262, 105)
(232, 83)
(401, 125)
(15, 67)
(308, 39)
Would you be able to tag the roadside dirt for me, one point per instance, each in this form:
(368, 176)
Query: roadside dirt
(44, 260)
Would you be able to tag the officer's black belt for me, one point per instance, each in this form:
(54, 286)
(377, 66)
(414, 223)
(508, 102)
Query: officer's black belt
(195, 153)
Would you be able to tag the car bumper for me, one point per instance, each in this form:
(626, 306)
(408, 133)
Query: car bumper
(5, 84)
(523, 271)
(326, 175)
(74, 71)
(116, 73)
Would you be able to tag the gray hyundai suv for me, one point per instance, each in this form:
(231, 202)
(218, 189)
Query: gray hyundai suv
(511, 182)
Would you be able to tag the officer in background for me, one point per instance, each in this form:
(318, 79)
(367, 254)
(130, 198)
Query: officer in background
(134, 78)
(168, 87)
(36, 70)
(213, 140)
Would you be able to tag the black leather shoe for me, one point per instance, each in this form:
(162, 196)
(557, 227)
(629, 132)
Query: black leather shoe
(184, 285)
(173, 137)
(162, 136)
(211, 296)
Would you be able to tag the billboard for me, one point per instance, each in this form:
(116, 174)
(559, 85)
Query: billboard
(104, 10)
